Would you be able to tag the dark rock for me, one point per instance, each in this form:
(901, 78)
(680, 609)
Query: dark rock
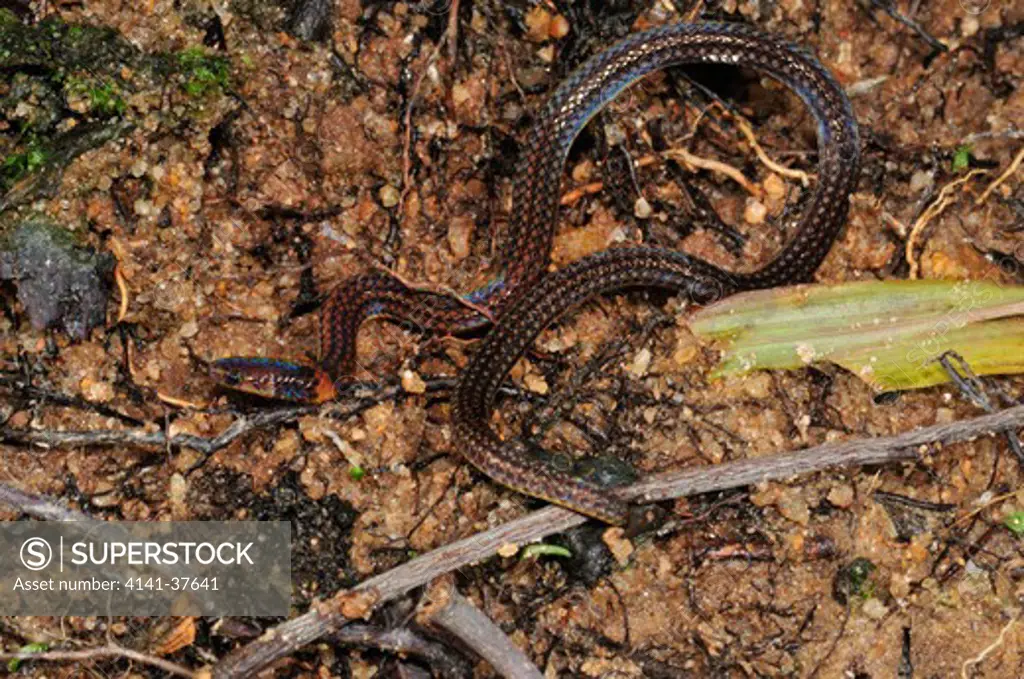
(310, 20)
(60, 284)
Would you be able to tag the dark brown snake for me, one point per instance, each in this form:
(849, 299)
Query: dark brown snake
(525, 299)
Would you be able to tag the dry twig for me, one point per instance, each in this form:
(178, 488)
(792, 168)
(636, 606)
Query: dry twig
(933, 210)
(98, 653)
(729, 171)
(296, 633)
(745, 128)
(450, 611)
(988, 649)
(405, 642)
(38, 506)
(138, 437)
(1014, 166)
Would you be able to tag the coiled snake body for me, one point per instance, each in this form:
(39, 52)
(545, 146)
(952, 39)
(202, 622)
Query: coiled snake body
(525, 299)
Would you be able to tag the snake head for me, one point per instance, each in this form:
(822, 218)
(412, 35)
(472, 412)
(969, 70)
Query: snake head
(273, 379)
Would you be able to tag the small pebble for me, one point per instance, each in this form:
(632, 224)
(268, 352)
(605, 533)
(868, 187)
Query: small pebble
(97, 392)
(969, 25)
(19, 419)
(795, 509)
(641, 363)
(582, 171)
(620, 546)
(874, 609)
(755, 211)
(559, 27)
(774, 187)
(460, 229)
(614, 134)
(460, 93)
(841, 496)
(413, 383)
(508, 550)
(538, 24)
(921, 180)
(899, 586)
(536, 384)
(189, 329)
(686, 348)
(142, 207)
(111, 499)
(389, 196)
(642, 209)
(177, 494)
